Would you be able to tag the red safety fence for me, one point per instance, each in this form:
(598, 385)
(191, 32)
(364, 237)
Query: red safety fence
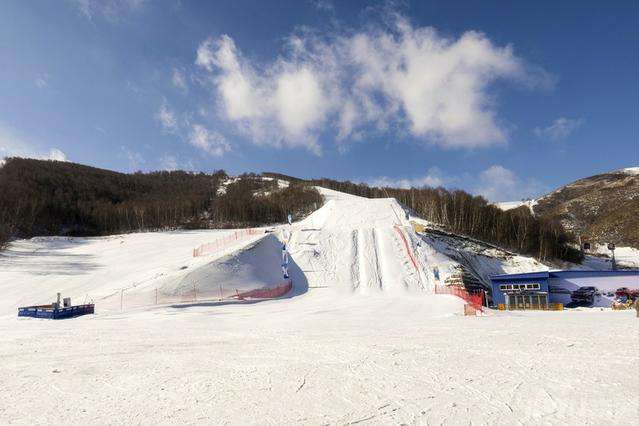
(476, 300)
(267, 292)
(225, 241)
(408, 249)
(125, 299)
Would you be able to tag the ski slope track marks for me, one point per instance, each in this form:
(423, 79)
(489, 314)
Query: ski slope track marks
(357, 244)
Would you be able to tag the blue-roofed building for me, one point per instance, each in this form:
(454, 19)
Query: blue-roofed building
(516, 289)
(535, 290)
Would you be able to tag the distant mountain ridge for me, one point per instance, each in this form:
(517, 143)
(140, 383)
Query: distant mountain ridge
(603, 208)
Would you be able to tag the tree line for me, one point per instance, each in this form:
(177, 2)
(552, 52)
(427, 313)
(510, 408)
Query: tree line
(40, 197)
(460, 212)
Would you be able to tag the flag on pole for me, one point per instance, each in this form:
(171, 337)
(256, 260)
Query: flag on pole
(284, 262)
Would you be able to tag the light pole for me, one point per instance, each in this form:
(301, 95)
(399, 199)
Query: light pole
(611, 247)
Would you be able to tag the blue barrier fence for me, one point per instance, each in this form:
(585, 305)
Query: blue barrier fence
(48, 311)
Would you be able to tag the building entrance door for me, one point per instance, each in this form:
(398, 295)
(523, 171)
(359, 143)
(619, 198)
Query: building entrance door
(523, 301)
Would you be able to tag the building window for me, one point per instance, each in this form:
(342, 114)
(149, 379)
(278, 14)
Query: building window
(519, 287)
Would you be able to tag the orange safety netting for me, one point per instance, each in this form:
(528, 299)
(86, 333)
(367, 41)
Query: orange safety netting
(476, 300)
(224, 241)
(267, 292)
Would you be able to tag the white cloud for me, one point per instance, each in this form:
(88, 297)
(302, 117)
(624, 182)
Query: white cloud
(495, 183)
(498, 183)
(167, 119)
(197, 135)
(561, 128)
(135, 159)
(433, 178)
(12, 144)
(323, 5)
(178, 80)
(42, 80)
(210, 141)
(390, 78)
(299, 101)
(171, 163)
(111, 10)
(56, 154)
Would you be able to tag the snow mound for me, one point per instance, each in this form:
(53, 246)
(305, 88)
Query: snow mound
(254, 266)
(357, 244)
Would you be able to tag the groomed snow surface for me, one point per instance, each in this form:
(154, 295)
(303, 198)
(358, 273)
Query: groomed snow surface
(360, 339)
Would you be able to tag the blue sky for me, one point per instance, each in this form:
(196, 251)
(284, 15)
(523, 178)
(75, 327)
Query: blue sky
(504, 99)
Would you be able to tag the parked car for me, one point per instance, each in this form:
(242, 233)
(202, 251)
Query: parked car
(627, 293)
(584, 295)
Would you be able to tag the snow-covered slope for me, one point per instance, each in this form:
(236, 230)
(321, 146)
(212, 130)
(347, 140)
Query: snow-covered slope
(601, 258)
(362, 340)
(33, 271)
(351, 244)
(354, 243)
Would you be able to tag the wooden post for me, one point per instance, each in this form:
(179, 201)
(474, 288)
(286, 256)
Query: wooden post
(221, 297)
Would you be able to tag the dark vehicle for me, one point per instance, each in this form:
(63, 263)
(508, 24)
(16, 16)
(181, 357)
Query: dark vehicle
(627, 293)
(584, 295)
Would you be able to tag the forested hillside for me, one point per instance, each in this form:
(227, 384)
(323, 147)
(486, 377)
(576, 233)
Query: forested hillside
(460, 212)
(59, 198)
(39, 197)
(601, 209)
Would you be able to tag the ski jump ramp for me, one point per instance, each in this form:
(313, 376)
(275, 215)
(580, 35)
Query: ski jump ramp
(359, 244)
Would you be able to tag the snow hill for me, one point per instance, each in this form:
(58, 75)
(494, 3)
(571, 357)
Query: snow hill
(350, 245)
(355, 243)
(361, 339)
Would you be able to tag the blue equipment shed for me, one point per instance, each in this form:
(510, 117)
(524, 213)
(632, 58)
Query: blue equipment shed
(536, 289)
